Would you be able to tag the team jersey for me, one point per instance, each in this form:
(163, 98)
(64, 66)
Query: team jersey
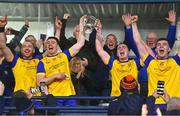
(49, 66)
(166, 70)
(24, 73)
(119, 70)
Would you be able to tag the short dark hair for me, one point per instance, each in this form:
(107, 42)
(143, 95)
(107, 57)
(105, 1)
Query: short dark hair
(124, 44)
(162, 39)
(52, 37)
(20, 94)
(21, 101)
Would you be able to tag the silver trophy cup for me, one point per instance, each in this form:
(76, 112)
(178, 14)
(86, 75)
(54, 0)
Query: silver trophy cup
(90, 23)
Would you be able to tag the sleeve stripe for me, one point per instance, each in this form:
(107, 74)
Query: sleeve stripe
(40, 68)
(177, 59)
(14, 61)
(137, 61)
(68, 54)
(110, 63)
(148, 60)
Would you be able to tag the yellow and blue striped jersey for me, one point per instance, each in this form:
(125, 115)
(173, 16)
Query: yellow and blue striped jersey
(166, 70)
(119, 70)
(49, 66)
(24, 73)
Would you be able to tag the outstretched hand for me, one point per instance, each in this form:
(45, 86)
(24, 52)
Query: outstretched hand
(98, 26)
(26, 21)
(99, 32)
(82, 23)
(81, 27)
(58, 23)
(171, 17)
(134, 18)
(126, 18)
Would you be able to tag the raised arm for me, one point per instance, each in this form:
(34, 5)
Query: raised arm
(138, 40)
(126, 18)
(57, 27)
(64, 21)
(81, 37)
(99, 47)
(60, 26)
(23, 30)
(18, 37)
(5, 50)
(171, 36)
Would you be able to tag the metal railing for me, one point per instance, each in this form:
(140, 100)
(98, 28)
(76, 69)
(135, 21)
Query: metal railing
(79, 109)
(73, 97)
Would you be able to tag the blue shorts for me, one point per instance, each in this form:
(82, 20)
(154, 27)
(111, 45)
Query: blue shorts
(66, 102)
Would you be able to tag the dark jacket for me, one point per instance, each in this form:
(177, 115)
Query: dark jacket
(126, 104)
(80, 85)
(102, 73)
(7, 78)
(87, 51)
(17, 38)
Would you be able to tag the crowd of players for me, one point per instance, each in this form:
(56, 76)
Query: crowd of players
(75, 66)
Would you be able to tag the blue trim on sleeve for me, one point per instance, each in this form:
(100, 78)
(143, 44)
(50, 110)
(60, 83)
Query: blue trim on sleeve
(130, 41)
(148, 60)
(14, 61)
(177, 59)
(110, 63)
(67, 54)
(154, 51)
(40, 68)
(171, 36)
(138, 64)
(142, 75)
